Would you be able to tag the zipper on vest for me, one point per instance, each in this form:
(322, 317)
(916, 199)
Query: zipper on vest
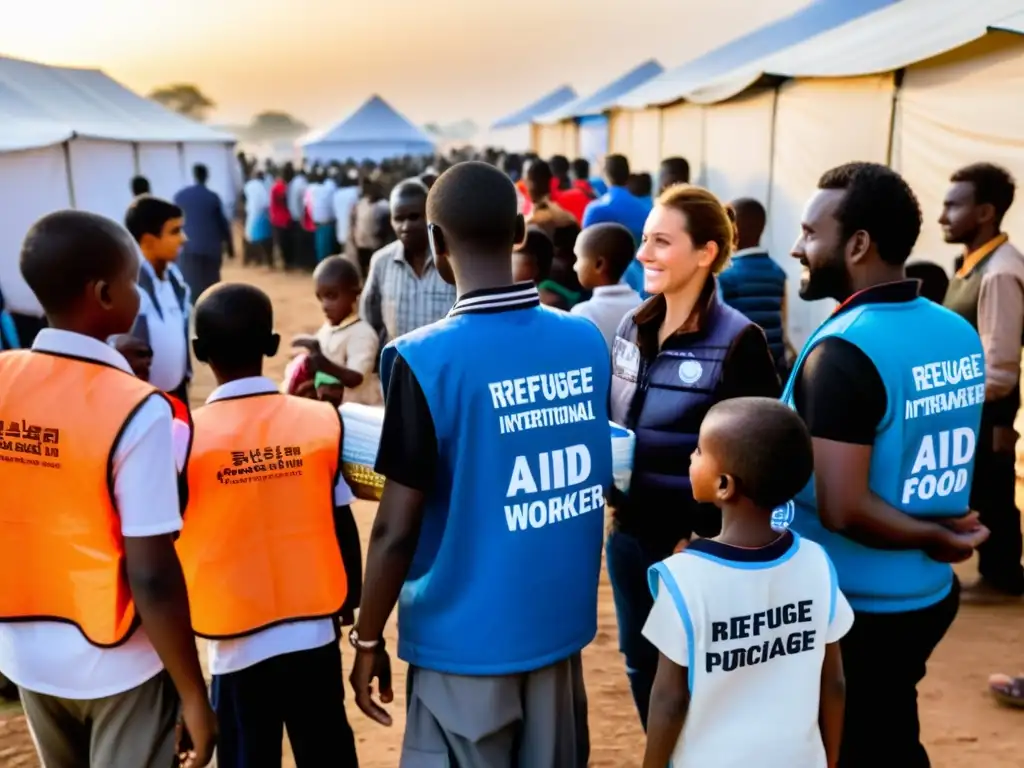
(643, 379)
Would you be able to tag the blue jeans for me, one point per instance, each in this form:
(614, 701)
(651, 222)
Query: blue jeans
(627, 560)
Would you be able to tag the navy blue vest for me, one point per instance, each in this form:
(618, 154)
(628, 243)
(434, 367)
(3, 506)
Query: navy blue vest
(664, 401)
(756, 285)
(505, 575)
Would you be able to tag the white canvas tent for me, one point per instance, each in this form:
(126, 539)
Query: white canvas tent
(915, 83)
(376, 131)
(513, 132)
(73, 138)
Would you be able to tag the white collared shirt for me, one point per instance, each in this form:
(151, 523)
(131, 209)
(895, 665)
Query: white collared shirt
(322, 208)
(606, 308)
(53, 658)
(345, 200)
(166, 329)
(257, 199)
(297, 197)
(227, 656)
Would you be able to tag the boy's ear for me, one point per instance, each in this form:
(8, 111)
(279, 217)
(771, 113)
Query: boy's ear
(199, 348)
(727, 488)
(436, 241)
(520, 229)
(273, 343)
(101, 289)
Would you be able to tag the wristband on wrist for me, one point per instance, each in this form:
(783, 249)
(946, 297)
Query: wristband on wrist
(363, 645)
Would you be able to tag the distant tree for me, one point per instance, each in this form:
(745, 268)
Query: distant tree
(185, 99)
(274, 124)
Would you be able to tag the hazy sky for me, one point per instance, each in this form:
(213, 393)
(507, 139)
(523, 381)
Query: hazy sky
(318, 59)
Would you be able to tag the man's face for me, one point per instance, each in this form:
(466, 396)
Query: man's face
(821, 249)
(960, 217)
(409, 220)
(171, 239)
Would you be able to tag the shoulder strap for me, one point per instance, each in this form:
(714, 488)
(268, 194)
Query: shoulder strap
(179, 289)
(140, 330)
(146, 284)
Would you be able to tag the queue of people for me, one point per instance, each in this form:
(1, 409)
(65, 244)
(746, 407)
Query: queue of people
(786, 535)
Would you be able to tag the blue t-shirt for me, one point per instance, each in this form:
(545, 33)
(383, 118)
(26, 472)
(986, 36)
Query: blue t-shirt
(619, 206)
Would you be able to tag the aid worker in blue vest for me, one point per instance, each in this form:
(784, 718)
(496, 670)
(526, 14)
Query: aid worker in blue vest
(496, 449)
(891, 388)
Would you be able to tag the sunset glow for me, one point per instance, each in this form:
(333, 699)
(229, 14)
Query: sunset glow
(444, 60)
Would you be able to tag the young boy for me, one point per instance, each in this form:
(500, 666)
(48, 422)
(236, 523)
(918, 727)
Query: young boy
(140, 357)
(259, 548)
(532, 261)
(603, 253)
(748, 623)
(158, 228)
(346, 346)
(97, 633)
(481, 514)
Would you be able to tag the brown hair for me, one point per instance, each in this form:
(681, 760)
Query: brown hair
(707, 220)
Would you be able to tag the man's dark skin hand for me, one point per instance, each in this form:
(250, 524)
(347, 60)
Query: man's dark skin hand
(393, 539)
(847, 505)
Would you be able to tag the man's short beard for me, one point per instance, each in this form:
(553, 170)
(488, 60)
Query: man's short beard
(830, 280)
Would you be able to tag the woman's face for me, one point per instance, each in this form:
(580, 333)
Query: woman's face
(670, 260)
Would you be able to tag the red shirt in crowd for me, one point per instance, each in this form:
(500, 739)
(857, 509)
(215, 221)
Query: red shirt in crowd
(279, 215)
(573, 200)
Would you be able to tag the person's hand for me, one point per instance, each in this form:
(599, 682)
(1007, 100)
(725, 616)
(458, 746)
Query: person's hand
(966, 524)
(307, 389)
(196, 734)
(314, 354)
(306, 342)
(952, 546)
(367, 666)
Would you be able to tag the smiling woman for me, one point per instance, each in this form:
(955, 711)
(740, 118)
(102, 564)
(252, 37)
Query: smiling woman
(674, 357)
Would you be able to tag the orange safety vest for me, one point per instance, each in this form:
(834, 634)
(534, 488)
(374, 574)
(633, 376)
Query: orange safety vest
(61, 549)
(258, 544)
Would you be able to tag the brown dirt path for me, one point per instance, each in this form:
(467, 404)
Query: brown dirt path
(962, 727)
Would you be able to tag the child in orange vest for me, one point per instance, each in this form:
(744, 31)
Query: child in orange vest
(94, 621)
(266, 572)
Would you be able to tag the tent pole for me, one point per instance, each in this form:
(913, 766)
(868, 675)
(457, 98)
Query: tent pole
(897, 78)
(135, 158)
(771, 151)
(67, 168)
(181, 162)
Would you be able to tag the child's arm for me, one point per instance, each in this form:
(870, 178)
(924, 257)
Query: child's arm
(319, 362)
(158, 588)
(145, 482)
(670, 700)
(352, 556)
(346, 376)
(833, 703)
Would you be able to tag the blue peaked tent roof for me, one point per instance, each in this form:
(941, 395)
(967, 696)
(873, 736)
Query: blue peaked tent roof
(605, 97)
(375, 120)
(557, 98)
(820, 16)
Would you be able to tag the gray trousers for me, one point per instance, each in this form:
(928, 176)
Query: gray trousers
(531, 720)
(200, 272)
(134, 729)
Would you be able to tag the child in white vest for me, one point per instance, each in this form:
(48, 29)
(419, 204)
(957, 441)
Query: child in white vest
(748, 623)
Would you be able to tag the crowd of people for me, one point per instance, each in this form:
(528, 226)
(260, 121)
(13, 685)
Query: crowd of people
(780, 558)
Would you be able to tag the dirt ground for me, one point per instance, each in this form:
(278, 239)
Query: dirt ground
(962, 727)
